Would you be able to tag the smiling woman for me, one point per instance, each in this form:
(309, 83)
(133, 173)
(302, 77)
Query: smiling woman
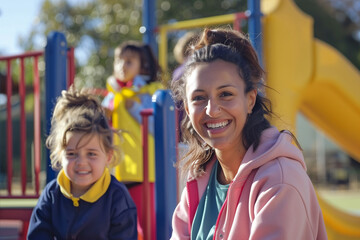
(219, 109)
(246, 179)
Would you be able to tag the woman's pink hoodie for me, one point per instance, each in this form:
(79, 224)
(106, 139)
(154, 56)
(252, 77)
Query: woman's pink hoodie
(271, 197)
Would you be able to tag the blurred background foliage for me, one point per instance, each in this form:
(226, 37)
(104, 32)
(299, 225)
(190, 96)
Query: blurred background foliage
(96, 27)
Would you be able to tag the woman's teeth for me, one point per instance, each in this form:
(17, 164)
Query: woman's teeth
(217, 125)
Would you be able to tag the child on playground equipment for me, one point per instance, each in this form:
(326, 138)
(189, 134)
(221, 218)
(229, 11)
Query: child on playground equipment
(131, 87)
(247, 180)
(135, 69)
(85, 201)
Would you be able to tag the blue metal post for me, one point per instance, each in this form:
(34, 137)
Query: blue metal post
(55, 81)
(149, 22)
(165, 155)
(255, 33)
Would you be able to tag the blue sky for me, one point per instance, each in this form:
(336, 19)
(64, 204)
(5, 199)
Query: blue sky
(16, 19)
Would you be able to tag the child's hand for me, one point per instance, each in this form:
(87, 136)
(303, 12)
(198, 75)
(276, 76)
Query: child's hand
(129, 103)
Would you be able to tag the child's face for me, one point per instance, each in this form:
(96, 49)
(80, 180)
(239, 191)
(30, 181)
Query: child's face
(127, 66)
(84, 161)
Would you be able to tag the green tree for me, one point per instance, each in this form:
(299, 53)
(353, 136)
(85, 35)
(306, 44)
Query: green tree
(338, 32)
(96, 27)
(169, 11)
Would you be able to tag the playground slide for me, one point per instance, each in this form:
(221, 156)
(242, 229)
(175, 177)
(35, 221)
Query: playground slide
(339, 224)
(332, 102)
(332, 99)
(312, 77)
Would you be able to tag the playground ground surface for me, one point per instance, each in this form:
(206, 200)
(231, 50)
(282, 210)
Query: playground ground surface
(346, 200)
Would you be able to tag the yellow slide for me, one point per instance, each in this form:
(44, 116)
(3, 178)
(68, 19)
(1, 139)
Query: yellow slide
(312, 77)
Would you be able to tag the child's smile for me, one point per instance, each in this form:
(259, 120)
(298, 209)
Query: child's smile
(84, 161)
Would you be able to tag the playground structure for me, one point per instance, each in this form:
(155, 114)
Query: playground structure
(17, 205)
(313, 78)
(310, 77)
(59, 75)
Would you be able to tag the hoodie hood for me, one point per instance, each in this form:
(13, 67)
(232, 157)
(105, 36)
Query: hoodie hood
(273, 144)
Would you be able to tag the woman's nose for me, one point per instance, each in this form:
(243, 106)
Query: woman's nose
(212, 108)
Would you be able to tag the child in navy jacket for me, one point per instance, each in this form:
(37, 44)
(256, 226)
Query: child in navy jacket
(85, 201)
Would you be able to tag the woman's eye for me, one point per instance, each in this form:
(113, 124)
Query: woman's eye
(198, 98)
(226, 94)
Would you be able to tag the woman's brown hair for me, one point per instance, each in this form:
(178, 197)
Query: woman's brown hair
(234, 47)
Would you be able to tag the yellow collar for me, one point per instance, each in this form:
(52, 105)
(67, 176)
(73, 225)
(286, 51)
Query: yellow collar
(92, 195)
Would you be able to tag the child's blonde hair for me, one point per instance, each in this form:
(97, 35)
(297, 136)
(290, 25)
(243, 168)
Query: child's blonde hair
(78, 111)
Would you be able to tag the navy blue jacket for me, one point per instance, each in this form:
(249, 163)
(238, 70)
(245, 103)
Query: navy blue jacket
(112, 216)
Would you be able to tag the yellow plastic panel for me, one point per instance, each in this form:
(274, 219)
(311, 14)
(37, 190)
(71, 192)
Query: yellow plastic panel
(332, 100)
(288, 55)
(131, 168)
(311, 77)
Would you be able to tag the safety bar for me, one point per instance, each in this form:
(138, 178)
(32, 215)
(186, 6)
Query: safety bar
(146, 224)
(34, 55)
(234, 18)
(9, 128)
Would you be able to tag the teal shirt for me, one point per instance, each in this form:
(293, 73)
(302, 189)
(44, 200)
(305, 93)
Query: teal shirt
(206, 215)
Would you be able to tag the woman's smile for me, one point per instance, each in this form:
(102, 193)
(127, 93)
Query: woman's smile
(214, 128)
(217, 125)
